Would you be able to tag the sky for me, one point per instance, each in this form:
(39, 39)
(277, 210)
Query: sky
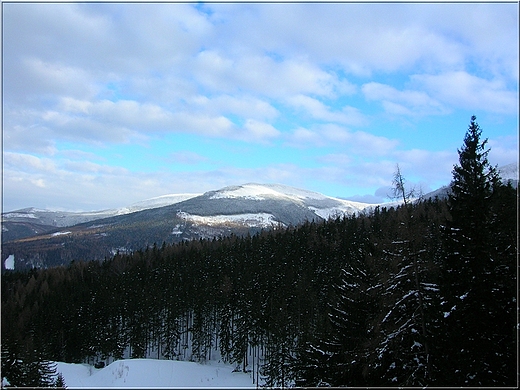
(107, 104)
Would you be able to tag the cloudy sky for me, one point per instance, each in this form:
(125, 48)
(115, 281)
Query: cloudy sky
(108, 104)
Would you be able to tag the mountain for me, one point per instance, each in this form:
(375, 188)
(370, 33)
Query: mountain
(268, 204)
(45, 238)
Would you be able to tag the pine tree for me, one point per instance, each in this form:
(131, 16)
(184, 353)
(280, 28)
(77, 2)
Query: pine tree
(478, 322)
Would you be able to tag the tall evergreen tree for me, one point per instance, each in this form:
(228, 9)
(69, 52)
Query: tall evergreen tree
(478, 322)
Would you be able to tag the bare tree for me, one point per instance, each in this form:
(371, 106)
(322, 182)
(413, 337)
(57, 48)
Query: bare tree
(400, 190)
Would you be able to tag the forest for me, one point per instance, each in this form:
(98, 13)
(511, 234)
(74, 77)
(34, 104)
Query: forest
(423, 294)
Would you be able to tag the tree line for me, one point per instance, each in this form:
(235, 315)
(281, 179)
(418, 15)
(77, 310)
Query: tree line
(423, 294)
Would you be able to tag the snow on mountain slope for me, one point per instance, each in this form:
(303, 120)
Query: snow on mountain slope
(144, 373)
(263, 191)
(321, 205)
(261, 220)
(159, 201)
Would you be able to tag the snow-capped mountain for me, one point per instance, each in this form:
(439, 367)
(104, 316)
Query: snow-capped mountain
(43, 238)
(249, 205)
(268, 202)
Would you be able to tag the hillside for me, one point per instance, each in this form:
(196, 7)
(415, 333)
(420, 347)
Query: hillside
(239, 210)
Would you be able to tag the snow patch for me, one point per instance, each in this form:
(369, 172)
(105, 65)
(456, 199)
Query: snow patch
(19, 215)
(60, 233)
(263, 220)
(9, 262)
(176, 231)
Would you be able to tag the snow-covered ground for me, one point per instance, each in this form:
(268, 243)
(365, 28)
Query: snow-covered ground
(263, 220)
(145, 373)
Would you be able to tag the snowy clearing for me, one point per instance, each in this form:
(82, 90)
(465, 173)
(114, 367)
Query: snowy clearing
(261, 219)
(145, 373)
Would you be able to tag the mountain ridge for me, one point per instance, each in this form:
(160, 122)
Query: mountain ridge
(62, 218)
(43, 238)
(240, 210)
(55, 218)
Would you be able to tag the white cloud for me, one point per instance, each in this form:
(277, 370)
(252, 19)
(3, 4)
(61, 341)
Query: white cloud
(98, 73)
(360, 143)
(261, 74)
(402, 102)
(433, 167)
(400, 35)
(215, 126)
(259, 131)
(29, 163)
(318, 110)
(461, 89)
(245, 106)
(504, 150)
(32, 80)
(89, 167)
(487, 34)
(304, 137)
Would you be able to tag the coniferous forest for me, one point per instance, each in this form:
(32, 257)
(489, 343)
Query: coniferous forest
(423, 294)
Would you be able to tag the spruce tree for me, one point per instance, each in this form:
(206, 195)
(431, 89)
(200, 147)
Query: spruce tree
(477, 322)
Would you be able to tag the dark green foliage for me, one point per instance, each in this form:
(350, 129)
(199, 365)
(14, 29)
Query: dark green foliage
(477, 334)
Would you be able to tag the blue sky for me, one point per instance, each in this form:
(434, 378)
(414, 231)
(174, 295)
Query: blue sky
(108, 104)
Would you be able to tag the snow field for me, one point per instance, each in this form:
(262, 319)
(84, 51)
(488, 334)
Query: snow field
(145, 373)
(261, 219)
